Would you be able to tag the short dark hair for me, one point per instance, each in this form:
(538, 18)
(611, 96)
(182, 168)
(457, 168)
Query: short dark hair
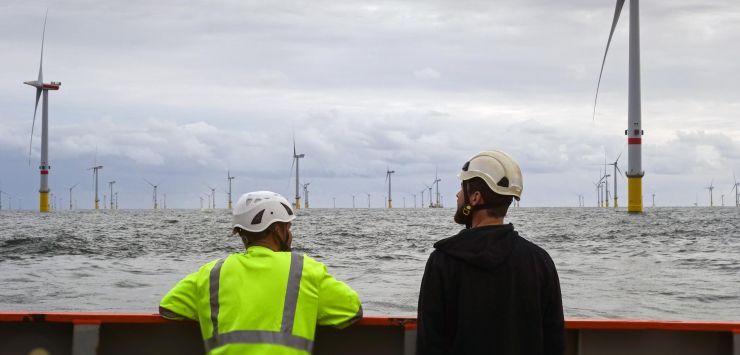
(499, 203)
(251, 237)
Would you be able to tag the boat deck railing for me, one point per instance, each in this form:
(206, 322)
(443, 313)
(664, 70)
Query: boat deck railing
(127, 333)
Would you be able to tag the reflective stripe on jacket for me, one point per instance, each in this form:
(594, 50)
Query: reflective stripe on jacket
(262, 301)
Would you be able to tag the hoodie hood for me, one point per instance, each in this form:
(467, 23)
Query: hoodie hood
(485, 247)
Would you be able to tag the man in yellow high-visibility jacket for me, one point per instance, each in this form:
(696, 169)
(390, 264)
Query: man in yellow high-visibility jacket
(266, 300)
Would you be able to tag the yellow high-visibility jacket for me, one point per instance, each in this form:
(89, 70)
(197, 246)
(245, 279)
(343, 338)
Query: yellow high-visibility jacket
(262, 302)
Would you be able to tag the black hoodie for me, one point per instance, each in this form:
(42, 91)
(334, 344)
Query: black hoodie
(487, 290)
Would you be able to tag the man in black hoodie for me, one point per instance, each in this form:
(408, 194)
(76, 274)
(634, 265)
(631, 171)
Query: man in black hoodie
(487, 290)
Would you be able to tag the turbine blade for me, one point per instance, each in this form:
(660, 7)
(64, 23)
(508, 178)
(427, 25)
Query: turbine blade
(41, 62)
(617, 11)
(147, 181)
(618, 156)
(33, 123)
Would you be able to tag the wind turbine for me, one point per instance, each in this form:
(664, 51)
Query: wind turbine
(154, 192)
(616, 169)
(653, 199)
(95, 174)
(70, 195)
(735, 188)
(430, 195)
(213, 196)
(388, 180)
(711, 193)
(296, 161)
(634, 130)
(305, 192)
(368, 200)
(44, 88)
(110, 183)
(436, 182)
(229, 178)
(422, 196)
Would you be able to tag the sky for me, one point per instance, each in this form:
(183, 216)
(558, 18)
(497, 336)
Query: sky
(181, 92)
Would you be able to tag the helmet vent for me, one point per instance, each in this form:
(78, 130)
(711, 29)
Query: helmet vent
(258, 217)
(290, 212)
(504, 182)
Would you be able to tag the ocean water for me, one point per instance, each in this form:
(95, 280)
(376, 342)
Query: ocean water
(668, 263)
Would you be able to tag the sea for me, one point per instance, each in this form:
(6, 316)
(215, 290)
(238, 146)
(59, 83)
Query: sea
(664, 264)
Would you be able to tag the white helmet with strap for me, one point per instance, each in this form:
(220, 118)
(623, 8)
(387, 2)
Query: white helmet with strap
(499, 170)
(255, 211)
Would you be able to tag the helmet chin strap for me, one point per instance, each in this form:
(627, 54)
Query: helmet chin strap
(283, 243)
(468, 209)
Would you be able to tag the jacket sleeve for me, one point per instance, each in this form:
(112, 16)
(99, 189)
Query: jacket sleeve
(180, 302)
(553, 320)
(339, 305)
(430, 328)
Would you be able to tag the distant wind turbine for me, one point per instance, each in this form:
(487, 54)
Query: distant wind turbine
(388, 173)
(736, 189)
(110, 183)
(296, 162)
(616, 170)
(229, 178)
(634, 130)
(154, 192)
(44, 88)
(305, 193)
(711, 193)
(436, 182)
(95, 176)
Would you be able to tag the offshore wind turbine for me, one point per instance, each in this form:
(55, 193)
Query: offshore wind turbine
(110, 183)
(388, 180)
(634, 130)
(154, 192)
(305, 193)
(735, 188)
(70, 195)
(296, 161)
(711, 193)
(95, 175)
(436, 182)
(213, 196)
(42, 88)
(422, 196)
(430, 195)
(229, 178)
(616, 169)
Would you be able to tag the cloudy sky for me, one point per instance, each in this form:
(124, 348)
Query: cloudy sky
(181, 92)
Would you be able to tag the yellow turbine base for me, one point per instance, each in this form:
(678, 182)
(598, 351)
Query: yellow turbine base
(390, 204)
(43, 201)
(97, 205)
(298, 203)
(616, 204)
(634, 194)
(229, 205)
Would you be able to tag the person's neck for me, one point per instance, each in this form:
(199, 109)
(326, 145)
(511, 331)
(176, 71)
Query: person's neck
(481, 219)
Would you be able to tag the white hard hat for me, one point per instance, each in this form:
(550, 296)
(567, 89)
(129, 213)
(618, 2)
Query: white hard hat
(255, 211)
(493, 167)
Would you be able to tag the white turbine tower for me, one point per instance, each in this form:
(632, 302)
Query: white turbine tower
(388, 180)
(616, 170)
(42, 88)
(436, 182)
(296, 161)
(213, 196)
(634, 130)
(422, 196)
(95, 175)
(711, 193)
(305, 193)
(110, 184)
(430, 195)
(154, 192)
(736, 189)
(229, 178)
